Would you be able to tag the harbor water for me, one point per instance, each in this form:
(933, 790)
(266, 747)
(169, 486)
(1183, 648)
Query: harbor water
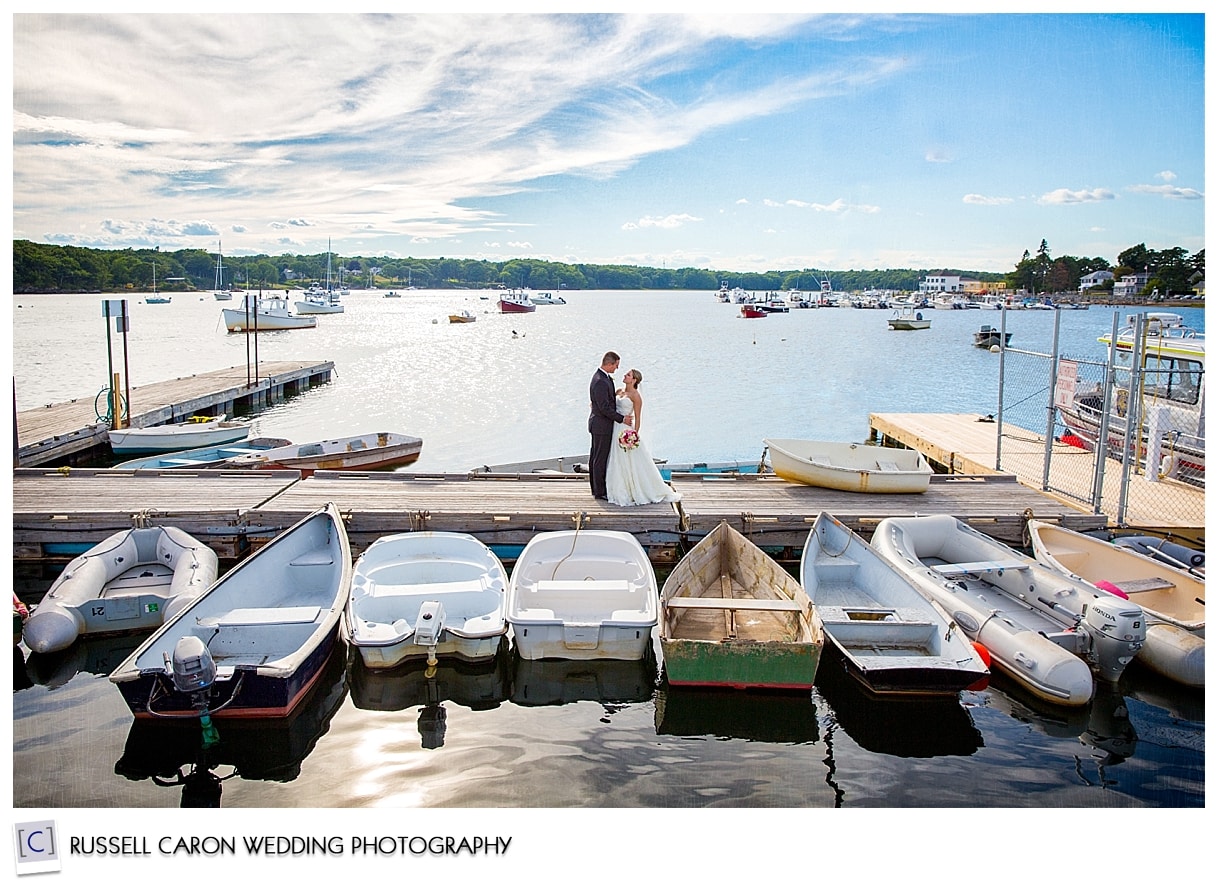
(519, 734)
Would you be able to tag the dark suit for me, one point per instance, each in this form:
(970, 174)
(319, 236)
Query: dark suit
(601, 424)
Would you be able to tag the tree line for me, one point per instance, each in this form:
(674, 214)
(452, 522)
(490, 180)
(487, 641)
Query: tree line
(41, 268)
(1173, 271)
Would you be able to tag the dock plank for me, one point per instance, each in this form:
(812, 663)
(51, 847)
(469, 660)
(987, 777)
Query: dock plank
(53, 431)
(967, 443)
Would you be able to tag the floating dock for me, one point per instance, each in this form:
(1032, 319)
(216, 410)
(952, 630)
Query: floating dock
(73, 429)
(61, 512)
(967, 444)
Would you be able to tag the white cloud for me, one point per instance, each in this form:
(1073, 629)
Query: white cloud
(1168, 176)
(978, 199)
(1166, 191)
(742, 202)
(1063, 196)
(938, 154)
(669, 222)
(837, 206)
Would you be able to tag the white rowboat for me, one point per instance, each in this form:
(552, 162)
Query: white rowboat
(859, 468)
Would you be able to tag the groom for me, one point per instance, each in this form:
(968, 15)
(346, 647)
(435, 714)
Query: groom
(602, 420)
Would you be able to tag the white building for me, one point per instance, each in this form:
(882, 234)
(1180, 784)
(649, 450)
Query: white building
(942, 284)
(1130, 285)
(1091, 280)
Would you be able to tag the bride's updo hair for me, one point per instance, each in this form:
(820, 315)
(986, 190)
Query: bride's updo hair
(638, 377)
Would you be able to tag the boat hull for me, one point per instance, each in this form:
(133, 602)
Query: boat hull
(513, 306)
(174, 437)
(210, 457)
(404, 582)
(277, 320)
(1038, 626)
(1172, 599)
(131, 581)
(858, 468)
(732, 617)
(268, 625)
(604, 604)
(894, 641)
(362, 452)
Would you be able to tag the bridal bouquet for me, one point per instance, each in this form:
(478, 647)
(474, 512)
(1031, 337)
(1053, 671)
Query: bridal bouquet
(628, 440)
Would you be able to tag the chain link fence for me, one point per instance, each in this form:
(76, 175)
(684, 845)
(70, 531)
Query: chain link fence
(1123, 436)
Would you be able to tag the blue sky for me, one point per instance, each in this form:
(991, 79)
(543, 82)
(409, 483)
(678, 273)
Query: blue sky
(729, 142)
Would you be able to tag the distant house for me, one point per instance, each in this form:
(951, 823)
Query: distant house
(941, 284)
(1091, 280)
(1130, 285)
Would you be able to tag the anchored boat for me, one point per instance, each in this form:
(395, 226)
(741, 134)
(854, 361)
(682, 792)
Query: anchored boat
(893, 640)
(133, 580)
(1046, 630)
(733, 617)
(1172, 599)
(426, 595)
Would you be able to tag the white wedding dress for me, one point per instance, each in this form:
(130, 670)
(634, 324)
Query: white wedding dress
(632, 477)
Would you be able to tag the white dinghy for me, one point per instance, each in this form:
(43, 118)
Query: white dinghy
(134, 580)
(893, 640)
(1172, 599)
(426, 595)
(583, 594)
(1040, 627)
(859, 468)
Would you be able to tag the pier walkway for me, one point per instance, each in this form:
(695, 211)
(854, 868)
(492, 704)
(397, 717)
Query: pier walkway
(57, 431)
(967, 444)
(61, 512)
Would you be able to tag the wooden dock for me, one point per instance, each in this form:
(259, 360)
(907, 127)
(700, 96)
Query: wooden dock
(59, 512)
(967, 444)
(57, 431)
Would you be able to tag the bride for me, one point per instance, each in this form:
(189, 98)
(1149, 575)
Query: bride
(632, 477)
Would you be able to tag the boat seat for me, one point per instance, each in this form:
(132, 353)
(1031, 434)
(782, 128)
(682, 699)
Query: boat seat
(887, 465)
(263, 615)
(315, 558)
(979, 566)
(183, 462)
(1133, 586)
(736, 603)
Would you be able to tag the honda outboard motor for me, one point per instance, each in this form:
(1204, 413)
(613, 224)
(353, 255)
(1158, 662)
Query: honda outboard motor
(1116, 629)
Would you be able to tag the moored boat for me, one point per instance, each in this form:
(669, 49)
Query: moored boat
(731, 616)
(371, 450)
(462, 317)
(265, 314)
(196, 432)
(906, 318)
(859, 468)
(545, 298)
(1046, 630)
(893, 640)
(1172, 599)
(751, 310)
(254, 643)
(988, 336)
(1169, 373)
(516, 301)
(133, 580)
(581, 594)
(426, 595)
(213, 456)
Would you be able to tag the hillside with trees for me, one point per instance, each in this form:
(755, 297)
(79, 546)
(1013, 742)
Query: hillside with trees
(40, 268)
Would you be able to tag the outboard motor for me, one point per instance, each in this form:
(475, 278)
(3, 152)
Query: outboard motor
(1116, 631)
(192, 667)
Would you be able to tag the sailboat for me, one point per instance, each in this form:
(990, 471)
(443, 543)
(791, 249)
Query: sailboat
(321, 302)
(153, 298)
(218, 291)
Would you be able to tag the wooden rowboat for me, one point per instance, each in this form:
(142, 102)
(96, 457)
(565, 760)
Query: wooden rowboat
(373, 450)
(731, 616)
(1172, 599)
(893, 640)
(859, 468)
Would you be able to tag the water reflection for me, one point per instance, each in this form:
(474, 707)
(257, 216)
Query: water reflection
(773, 717)
(565, 681)
(175, 753)
(95, 655)
(476, 686)
(922, 727)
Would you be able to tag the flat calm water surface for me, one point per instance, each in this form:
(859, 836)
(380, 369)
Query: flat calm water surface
(517, 734)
